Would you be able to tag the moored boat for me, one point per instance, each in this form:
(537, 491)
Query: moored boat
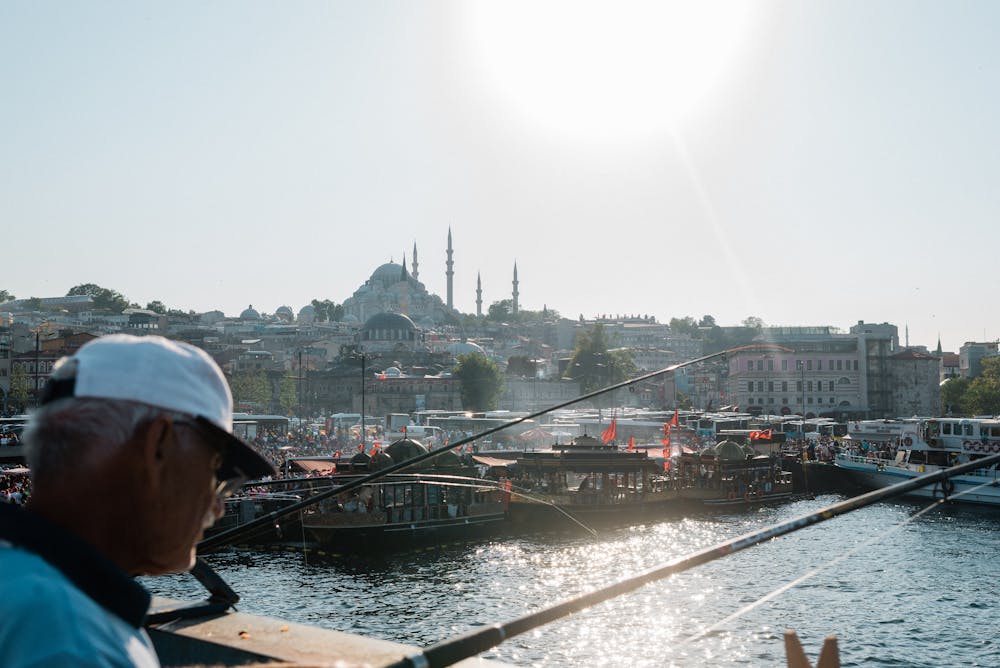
(928, 445)
(591, 482)
(733, 475)
(442, 502)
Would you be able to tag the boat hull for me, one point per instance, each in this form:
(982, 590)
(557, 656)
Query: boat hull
(979, 488)
(338, 535)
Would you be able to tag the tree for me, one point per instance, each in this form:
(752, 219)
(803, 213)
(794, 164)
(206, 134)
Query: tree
(521, 365)
(500, 311)
(327, 310)
(593, 366)
(983, 394)
(288, 397)
(953, 394)
(19, 387)
(684, 326)
(156, 306)
(707, 321)
(250, 387)
(104, 298)
(753, 322)
(482, 382)
(6, 296)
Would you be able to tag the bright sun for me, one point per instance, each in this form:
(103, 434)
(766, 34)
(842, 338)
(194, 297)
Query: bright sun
(606, 69)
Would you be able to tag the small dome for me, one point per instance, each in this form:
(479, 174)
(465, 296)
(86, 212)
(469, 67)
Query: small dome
(284, 312)
(464, 348)
(250, 313)
(448, 459)
(730, 451)
(588, 441)
(380, 460)
(404, 449)
(350, 317)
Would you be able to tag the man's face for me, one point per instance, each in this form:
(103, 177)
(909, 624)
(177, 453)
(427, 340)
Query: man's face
(188, 503)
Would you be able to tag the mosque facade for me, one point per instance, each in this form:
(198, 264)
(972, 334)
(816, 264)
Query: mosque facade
(393, 289)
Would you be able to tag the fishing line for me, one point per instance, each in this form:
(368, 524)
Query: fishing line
(806, 576)
(794, 583)
(452, 650)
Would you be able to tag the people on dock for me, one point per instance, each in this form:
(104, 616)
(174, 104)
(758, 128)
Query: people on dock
(131, 454)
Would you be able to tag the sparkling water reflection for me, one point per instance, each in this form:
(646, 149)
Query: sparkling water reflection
(925, 596)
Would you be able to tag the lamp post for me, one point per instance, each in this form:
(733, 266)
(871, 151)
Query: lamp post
(802, 383)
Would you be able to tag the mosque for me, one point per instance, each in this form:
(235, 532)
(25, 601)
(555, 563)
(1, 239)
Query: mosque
(394, 289)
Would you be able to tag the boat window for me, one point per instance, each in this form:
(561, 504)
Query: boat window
(994, 431)
(968, 429)
(946, 428)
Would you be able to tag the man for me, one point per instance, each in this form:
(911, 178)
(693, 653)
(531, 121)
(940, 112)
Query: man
(131, 454)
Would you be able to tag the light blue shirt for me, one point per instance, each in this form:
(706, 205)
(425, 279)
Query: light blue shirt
(48, 622)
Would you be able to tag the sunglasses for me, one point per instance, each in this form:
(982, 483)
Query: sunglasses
(224, 488)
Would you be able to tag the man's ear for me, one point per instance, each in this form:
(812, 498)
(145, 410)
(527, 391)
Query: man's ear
(156, 443)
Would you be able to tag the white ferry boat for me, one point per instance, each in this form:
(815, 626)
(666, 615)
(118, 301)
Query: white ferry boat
(876, 430)
(927, 445)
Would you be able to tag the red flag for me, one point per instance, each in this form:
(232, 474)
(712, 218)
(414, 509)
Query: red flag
(608, 434)
(361, 447)
(666, 440)
(631, 442)
(666, 464)
(674, 421)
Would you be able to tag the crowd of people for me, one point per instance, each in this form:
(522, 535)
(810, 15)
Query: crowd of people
(14, 488)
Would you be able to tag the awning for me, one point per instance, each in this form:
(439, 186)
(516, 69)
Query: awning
(314, 465)
(492, 461)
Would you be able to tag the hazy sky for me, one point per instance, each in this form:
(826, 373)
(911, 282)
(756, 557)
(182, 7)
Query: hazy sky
(808, 163)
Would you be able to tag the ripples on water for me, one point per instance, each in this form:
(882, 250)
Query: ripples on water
(925, 596)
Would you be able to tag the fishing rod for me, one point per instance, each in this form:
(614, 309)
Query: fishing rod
(452, 650)
(234, 534)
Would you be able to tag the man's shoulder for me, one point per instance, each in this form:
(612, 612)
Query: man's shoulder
(49, 621)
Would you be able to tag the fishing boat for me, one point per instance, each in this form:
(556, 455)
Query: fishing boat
(729, 474)
(441, 501)
(251, 504)
(928, 445)
(589, 481)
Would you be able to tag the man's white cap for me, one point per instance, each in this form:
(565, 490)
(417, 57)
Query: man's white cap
(167, 374)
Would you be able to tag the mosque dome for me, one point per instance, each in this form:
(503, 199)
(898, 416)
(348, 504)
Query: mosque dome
(250, 313)
(465, 348)
(284, 312)
(389, 321)
(388, 274)
(307, 313)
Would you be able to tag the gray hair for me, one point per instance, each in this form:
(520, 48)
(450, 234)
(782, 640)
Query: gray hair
(79, 434)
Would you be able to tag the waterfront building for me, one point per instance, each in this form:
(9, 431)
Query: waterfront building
(971, 356)
(916, 387)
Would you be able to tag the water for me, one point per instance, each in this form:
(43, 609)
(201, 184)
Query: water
(924, 595)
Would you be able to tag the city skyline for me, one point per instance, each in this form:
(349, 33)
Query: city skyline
(814, 164)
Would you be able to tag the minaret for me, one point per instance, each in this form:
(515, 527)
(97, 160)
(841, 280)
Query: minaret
(450, 273)
(513, 309)
(940, 353)
(479, 295)
(402, 274)
(416, 271)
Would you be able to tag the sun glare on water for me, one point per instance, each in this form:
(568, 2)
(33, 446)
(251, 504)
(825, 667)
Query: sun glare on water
(606, 69)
